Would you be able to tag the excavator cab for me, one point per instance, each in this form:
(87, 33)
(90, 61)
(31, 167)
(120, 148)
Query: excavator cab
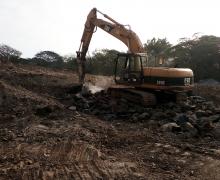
(129, 68)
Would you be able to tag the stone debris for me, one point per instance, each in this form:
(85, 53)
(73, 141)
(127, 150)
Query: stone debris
(195, 116)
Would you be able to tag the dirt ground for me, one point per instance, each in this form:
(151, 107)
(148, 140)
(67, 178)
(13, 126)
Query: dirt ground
(44, 136)
(212, 92)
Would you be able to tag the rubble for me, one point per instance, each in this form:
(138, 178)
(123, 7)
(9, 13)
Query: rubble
(193, 116)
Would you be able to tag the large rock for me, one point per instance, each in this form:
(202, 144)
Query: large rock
(153, 124)
(209, 105)
(205, 124)
(159, 115)
(197, 99)
(170, 127)
(216, 131)
(214, 118)
(170, 113)
(201, 113)
(193, 119)
(72, 108)
(44, 110)
(189, 129)
(144, 116)
(182, 119)
(217, 110)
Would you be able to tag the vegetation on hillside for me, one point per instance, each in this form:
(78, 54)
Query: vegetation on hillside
(201, 54)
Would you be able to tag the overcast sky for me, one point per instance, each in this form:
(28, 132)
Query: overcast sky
(35, 25)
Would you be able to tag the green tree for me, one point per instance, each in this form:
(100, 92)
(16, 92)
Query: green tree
(102, 62)
(70, 62)
(49, 59)
(201, 54)
(48, 56)
(157, 49)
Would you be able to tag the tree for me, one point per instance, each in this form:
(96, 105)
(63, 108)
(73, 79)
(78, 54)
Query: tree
(157, 49)
(9, 53)
(48, 56)
(102, 62)
(201, 54)
(70, 62)
(49, 59)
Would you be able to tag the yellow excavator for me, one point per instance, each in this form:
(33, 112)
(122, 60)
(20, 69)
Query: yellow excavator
(135, 80)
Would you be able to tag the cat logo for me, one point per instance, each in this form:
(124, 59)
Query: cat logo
(186, 81)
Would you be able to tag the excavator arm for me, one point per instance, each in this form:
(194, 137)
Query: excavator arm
(119, 31)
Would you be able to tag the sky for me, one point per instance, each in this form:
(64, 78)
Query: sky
(31, 26)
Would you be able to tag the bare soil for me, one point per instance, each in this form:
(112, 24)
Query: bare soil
(41, 137)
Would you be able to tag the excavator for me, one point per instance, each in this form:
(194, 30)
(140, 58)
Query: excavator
(134, 79)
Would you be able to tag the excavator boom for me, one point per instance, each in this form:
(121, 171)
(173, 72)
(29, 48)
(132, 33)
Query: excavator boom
(119, 31)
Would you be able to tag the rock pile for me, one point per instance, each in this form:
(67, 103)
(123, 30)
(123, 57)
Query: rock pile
(195, 116)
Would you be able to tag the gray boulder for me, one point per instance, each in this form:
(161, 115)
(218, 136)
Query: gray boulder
(170, 127)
